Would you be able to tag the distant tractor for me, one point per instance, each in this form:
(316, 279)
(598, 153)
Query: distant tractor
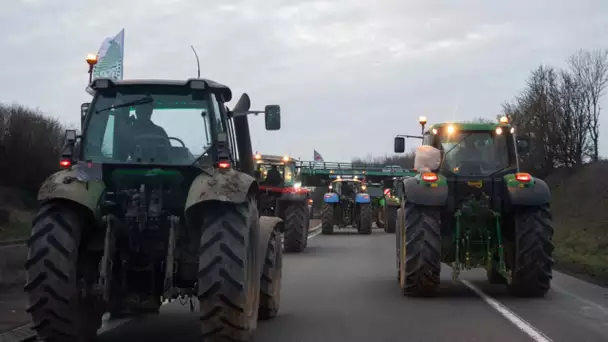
(283, 197)
(347, 204)
(375, 191)
(471, 207)
(391, 205)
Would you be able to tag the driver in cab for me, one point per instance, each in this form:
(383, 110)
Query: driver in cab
(145, 134)
(467, 152)
(273, 177)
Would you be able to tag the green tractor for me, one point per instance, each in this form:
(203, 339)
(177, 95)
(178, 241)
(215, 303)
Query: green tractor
(376, 194)
(384, 204)
(469, 206)
(155, 201)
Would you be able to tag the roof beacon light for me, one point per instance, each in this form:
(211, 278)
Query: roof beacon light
(286, 158)
(91, 59)
(504, 120)
(451, 129)
(258, 156)
(422, 120)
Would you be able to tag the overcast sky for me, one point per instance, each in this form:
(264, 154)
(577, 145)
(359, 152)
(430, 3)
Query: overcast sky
(348, 74)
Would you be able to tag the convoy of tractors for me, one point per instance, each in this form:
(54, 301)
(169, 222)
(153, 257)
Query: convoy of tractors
(133, 219)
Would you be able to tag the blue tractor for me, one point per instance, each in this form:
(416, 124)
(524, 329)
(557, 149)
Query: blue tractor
(346, 204)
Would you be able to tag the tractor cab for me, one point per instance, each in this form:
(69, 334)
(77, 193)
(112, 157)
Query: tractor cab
(264, 164)
(347, 187)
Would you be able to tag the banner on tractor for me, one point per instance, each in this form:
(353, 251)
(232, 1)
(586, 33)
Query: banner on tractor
(110, 58)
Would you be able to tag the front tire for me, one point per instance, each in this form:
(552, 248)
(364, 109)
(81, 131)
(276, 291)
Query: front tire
(296, 218)
(55, 267)
(327, 219)
(422, 265)
(270, 288)
(365, 219)
(227, 276)
(533, 264)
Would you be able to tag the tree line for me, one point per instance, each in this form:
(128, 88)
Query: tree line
(558, 110)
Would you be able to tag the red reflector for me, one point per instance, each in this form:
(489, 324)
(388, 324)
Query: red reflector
(429, 177)
(65, 163)
(523, 177)
(387, 191)
(223, 165)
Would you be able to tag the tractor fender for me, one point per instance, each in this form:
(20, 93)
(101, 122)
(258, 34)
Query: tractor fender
(422, 193)
(362, 198)
(534, 193)
(331, 197)
(267, 224)
(81, 183)
(225, 185)
(393, 202)
(293, 197)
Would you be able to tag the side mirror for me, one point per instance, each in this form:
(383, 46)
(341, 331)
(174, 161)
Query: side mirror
(70, 136)
(399, 145)
(272, 117)
(84, 109)
(523, 145)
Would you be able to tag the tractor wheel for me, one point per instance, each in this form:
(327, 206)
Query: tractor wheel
(296, 218)
(270, 286)
(378, 214)
(227, 271)
(398, 236)
(56, 269)
(365, 219)
(327, 219)
(422, 265)
(532, 267)
(391, 219)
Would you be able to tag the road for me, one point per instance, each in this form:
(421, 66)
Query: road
(343, 288)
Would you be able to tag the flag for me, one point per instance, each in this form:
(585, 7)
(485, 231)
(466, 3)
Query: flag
(317, 156)
(110, 58)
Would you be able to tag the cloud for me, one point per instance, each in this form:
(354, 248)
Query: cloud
(349, 74)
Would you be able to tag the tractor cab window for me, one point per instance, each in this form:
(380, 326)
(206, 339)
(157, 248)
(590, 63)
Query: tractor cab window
(264, 173)
(149, 124)
(474, 153)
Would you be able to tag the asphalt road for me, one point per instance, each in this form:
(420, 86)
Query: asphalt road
(343, 288)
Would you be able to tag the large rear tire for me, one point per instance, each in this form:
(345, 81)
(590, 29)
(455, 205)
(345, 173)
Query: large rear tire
(422, 265)
(228, 278)
(398, 240)
(365, 219)
(296, 218)
(533, 264)
(391, 219)
(327, 219)
(55, 267)
(270, 286)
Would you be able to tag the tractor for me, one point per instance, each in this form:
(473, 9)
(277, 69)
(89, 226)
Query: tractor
(283, 197)
(391, 204)
(470, 206)
(375, 191)
(347, 204)
(155, 201)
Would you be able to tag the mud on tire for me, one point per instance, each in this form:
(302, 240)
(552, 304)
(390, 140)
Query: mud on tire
(532, 271)
(270, 286)
(391, 219)
(365, 219)
(327, 219)
(296, 226)
(227, 271)
(422, 265)
(55, 267)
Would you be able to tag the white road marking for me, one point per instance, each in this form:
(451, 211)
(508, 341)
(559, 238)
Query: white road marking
(591, 304)
(519, 322)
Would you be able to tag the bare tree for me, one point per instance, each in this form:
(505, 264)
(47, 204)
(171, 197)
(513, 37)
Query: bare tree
(590, 70)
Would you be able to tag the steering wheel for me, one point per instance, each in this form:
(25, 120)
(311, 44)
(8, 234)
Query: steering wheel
(154, 137)
(178, 140)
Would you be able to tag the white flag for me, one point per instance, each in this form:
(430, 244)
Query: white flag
(110, 58)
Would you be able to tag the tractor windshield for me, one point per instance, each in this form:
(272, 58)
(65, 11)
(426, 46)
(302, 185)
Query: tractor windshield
(476, 153)
(285, 170)
(151, 124)
(375, 190)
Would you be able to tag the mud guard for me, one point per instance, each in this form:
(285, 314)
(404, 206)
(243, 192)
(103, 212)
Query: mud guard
(362, 198)
(534, 193)
(331, 197)
(80, 184)
(267, 225)
(422, 193)
(225, 186)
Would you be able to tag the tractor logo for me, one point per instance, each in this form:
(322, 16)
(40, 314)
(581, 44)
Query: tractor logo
(478, 184)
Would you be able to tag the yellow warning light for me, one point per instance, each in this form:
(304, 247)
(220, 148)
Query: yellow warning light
(91, 59)
(286, 158)
(504, 120)
(422, 120)
(451, 129)
(258, 156)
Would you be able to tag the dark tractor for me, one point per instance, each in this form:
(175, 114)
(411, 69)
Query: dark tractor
(282, 196)
(391, 205)
(156, 201)
(347, 204)
(470, 207)
(376, 194)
